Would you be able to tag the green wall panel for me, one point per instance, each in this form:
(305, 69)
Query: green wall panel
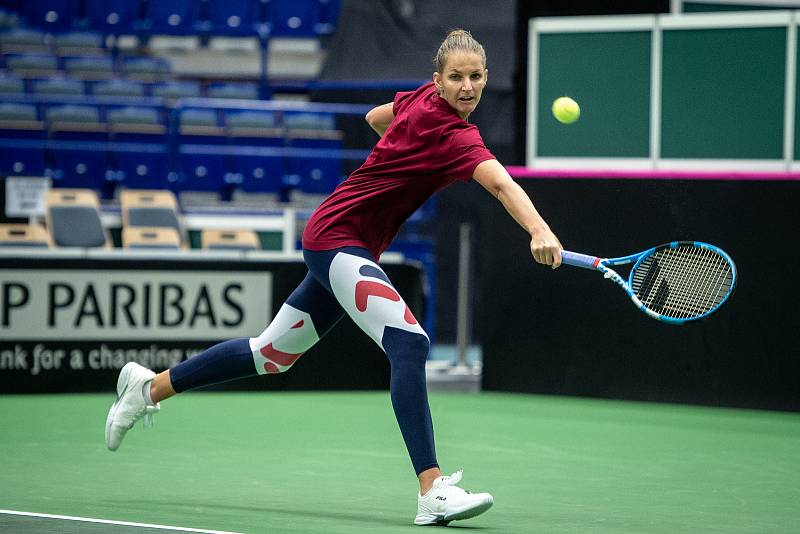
(723, 93)
(608, 74)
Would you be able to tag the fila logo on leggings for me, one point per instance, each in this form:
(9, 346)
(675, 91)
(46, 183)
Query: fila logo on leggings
(365, 293)
(287, 337)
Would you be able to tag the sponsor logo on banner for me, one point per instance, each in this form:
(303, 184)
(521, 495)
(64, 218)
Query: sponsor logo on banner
(38, 304)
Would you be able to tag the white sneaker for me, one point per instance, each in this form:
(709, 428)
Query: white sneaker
(447, 502)
(130, 405)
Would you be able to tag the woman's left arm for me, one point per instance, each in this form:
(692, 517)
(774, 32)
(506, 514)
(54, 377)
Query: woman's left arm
(379, 118)
(545, 246)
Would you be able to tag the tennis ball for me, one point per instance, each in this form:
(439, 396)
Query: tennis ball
(566, 110)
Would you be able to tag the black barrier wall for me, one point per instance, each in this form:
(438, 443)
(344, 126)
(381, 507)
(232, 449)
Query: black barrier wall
(192, 299)
(571, 332)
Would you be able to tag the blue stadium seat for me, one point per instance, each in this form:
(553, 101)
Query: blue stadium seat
(81, 43)
(253, 133)
(111, 16)
(57, 87)
(202, 158)
(246, 91)
(175, 90)
(11, 86)
(259, 173)
(123, 88)
(319, 170)
(297, 18)
(82, 163)
(32, 65)
(53, 16)
(204, 168)
(139, 151)
(172, 17)
(233, 17)
(146, 68)
(23, 40)
(89, 67)
(200, 126)
(20, 133)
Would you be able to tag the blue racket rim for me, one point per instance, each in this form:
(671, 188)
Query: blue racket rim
(642, 256)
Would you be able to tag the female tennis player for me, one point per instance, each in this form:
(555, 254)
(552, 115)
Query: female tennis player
(426, 144)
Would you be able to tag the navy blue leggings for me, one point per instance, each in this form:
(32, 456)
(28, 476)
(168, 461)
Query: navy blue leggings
(341, 281)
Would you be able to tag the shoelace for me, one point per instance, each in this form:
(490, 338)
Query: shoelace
(453, 479)
(146, 414)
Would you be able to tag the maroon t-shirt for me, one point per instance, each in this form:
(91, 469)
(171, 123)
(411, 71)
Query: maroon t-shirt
(426, 147)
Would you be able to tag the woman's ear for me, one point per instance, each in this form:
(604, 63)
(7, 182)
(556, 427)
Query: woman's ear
(437, 80)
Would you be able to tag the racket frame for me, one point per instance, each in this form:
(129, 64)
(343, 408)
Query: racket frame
(604, 265)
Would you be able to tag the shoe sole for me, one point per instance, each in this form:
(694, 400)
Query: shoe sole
(455, 516)
(469, 512)
(122, 383)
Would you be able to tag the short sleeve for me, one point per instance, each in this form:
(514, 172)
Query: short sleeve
(465, 151)
(400, 100)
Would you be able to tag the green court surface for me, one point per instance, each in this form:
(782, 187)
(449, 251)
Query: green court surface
(335, 463)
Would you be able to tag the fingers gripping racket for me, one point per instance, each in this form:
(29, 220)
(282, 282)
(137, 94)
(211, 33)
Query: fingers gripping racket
(676, 282)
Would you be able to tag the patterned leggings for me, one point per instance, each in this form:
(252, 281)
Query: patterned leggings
(339, 281)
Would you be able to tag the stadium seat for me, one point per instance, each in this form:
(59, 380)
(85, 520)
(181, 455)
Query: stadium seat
(23, 235)
(19, 124)
(233, 17)
(172, 17)
(317, 171)
(57, 87)
(89, 67)
(175, 90)
(151, 208)
(84, 164)
(201, 126)
(241, 239)
(32, 65)
(123, 88)
(73, 219)
(246, 91)
(146, 68)
(52, 16)
(111, 16)
(253, 132)
(80, 44)
(11, 86)
(297, 18)
(150, 237)
(139, 152)
(135, 115)
(23, 40)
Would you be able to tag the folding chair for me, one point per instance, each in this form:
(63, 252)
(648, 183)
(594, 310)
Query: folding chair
(73, 219)
(240, 239)
(153, 237)
(23, 235)
(148, 208)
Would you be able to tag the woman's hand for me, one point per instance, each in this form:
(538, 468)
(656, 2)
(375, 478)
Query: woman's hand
(546, 248)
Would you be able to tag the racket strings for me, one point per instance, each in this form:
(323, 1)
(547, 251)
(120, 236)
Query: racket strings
(683, 282)
(694, 276)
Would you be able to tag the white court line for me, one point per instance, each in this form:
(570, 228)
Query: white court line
(110, 522)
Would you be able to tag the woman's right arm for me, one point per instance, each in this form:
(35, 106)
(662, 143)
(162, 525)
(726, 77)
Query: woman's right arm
(379, 118)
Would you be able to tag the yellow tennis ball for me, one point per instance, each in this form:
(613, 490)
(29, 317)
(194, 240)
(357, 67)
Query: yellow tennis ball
(566, 110)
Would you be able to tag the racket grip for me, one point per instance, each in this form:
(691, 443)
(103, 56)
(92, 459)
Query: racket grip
(579, 260)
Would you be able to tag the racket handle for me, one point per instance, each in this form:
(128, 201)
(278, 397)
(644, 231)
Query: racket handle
(579, 260)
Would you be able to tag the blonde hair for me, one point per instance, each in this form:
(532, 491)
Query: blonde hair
(457, 41)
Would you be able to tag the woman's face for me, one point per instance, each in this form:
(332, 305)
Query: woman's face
(462, 81)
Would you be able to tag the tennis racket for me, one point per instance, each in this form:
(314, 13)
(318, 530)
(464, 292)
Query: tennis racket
(676, 282)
